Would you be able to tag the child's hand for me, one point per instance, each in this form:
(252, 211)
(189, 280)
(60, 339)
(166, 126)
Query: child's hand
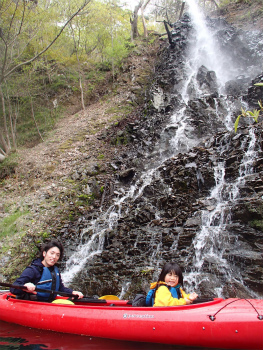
(188, 301)
(192, 296)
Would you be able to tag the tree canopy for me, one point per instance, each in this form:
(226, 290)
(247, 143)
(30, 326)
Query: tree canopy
(50, 45)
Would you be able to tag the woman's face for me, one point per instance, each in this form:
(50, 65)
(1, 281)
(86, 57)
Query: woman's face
(51, 257)
(171, 279)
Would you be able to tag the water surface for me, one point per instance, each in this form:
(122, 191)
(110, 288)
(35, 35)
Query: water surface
(15, 337)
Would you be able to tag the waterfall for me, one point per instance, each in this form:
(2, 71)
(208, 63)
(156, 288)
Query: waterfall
(179, 136)
(206, 51)
(213, 240)
(102, 225)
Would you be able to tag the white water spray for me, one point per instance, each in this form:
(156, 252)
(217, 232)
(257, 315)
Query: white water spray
(206, 52)
(211, 242)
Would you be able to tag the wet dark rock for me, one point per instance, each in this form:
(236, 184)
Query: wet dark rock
(127, 174)
(255, 93)
(207, 80)
(233, 88)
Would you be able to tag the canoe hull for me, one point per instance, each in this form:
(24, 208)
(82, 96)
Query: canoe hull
(236, 324)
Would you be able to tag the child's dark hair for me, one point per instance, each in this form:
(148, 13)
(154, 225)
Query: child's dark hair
(171, 267)
(50, 245)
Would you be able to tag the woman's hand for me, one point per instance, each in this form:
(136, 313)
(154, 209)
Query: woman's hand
(79, 294)
(30, 287)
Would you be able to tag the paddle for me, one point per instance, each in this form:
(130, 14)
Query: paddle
(70, 295)
(37, 290)
(200, 300)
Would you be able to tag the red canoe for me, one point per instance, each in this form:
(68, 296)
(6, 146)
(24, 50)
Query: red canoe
(226, 324)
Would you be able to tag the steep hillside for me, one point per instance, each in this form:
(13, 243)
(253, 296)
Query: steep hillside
(243, 15)
(69, 174)
(64, 177)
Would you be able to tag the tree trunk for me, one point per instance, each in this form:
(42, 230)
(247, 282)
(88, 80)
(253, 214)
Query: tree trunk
(33, 115)
(82, 92)
(216, 5)
(3, 148)
(169, 34)
(2, 157)
(76, 46)
(4, 138)
(134, 21)
(11, 119)
(182, 9)
(145, 32)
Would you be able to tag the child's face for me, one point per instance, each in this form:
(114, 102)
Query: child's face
(171, 279)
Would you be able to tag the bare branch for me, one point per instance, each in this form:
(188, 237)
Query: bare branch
(49, 45)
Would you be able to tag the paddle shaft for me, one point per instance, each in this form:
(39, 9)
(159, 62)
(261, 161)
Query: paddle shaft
(73, 296)
(41, 290)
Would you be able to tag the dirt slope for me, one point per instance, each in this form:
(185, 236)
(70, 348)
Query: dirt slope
(51, 183)
(246, 16)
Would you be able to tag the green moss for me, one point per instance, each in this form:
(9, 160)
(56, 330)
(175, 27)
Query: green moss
(120, 110)
(84, 197)
(71, 216)
(70, 181)
(8, 224)
(66, 145)
(8, 166)
(147, 272)
(257, 224)
(45, 235)
(122, 138)
(16, 264)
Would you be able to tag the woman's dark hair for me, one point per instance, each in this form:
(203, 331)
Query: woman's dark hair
(171, 267)
(50, 245)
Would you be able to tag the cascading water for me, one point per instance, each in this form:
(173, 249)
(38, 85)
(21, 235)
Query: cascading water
(206, 51)
(213, 240)
(99, 227)
(179, 136)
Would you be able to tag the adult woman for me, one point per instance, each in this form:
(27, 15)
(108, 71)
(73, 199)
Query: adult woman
(44, 274)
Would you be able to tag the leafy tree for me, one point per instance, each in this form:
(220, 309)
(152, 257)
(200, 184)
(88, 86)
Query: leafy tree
(79, 39)
(22, 41)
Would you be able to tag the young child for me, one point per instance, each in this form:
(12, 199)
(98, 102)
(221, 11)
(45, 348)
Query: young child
(167, 290)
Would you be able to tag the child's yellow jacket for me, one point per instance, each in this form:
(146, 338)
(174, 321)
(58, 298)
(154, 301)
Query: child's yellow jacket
(163, 296)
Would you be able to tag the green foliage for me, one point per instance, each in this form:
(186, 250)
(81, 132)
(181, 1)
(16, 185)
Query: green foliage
(94, 44)
(255, 114)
